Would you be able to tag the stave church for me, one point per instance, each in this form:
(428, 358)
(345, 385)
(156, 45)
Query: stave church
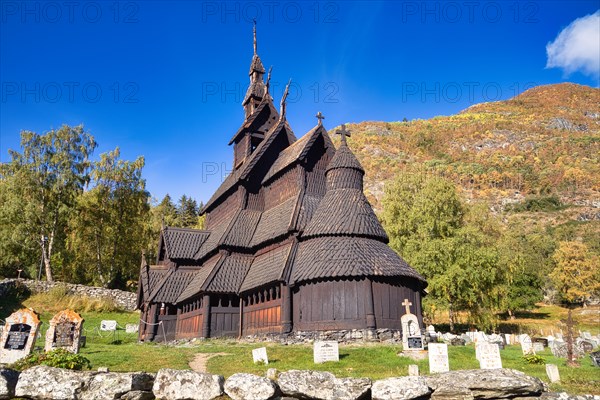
(290, 244)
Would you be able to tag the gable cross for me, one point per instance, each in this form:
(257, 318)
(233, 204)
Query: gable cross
(343, 133)
(407, 304)
(320, 117)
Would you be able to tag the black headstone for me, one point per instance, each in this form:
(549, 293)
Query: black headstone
(415, 342)
(17, 337)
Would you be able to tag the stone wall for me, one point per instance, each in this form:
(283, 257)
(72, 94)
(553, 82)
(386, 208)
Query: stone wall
(48, 383)
(125, 300)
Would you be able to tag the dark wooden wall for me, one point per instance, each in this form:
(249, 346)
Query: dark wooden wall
(262, 312)
(388, 298)
(329, 305)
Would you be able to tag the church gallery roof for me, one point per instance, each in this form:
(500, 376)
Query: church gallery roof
(291, 211)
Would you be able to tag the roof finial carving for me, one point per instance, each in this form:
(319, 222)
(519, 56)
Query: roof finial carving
(320, 117)
(254, 31)
(343, 133)
(283, 99)
(268, 80)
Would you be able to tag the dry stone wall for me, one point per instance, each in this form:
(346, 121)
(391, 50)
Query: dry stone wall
(123, 299)
(48, 383)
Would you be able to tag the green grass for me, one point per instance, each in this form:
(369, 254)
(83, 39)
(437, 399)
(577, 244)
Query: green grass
(122, 352)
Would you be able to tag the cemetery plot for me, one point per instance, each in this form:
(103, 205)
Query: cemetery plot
(411, 337)
(260, 355)
(18, 335)
(438, 358)
(488, 355)
(326, 351)
(64, 332)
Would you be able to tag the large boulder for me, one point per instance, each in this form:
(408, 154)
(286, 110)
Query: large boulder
(8, 381)
(403, 388)
(319, 385)
(249, 387)
(113, 385)
(487, 383)
(47, 383)
(172, 384)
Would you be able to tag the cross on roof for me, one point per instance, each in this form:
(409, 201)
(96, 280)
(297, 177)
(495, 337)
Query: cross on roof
(407, 304)
(343, 133)
(320, 117)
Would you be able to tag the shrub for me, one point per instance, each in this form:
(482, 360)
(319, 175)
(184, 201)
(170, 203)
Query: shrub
(535, 204)
(59, 358)
(534, 359)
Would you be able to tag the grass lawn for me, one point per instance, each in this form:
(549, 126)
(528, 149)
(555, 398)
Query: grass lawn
(122, 352)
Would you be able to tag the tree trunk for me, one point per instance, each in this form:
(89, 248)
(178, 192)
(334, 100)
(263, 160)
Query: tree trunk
(46, 253)
(451, 317)
(570, 356)
(511, 315)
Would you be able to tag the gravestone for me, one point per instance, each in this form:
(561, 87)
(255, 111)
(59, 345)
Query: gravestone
(537, 347)
(526, 344)
(479, 337)
(438, 358)
(260, 355)
(509, 338)
(64, 332)
(18, 335)
(595, 356)
(411, 330)
(413, 370)
(552, 372)
(489, 356)
(108, 325)
(132, 328)
(585, 346)
(542, 340)
(324, 351)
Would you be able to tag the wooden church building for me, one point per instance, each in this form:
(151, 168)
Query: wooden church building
(290, 242)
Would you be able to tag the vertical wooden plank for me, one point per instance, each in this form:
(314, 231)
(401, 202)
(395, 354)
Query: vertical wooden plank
(339, 301)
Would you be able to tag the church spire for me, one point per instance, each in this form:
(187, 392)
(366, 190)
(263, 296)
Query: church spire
(256, 89)
(254, 31)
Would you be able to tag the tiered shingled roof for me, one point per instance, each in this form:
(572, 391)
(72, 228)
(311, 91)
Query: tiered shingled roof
(320, 226)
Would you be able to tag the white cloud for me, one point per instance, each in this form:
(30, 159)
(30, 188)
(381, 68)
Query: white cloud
(577, 47)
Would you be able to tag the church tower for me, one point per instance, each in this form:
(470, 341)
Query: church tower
(259, 112)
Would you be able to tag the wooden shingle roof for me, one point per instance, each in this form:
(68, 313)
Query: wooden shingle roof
(196, 284)
(172, 288)
(274, 222)
(344, 158)
(339, 256)
(183, 243)
(230, 274)
(296, 152)
(216, 237)
(243, 228)
(267, 268)
(345, 212)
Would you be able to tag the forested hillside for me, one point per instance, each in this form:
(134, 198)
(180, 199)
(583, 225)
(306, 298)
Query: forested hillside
(543, 142)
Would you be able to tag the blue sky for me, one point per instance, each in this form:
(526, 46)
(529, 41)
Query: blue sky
(166, 79)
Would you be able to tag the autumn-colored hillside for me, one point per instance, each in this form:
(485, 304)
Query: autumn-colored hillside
(546, 141)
